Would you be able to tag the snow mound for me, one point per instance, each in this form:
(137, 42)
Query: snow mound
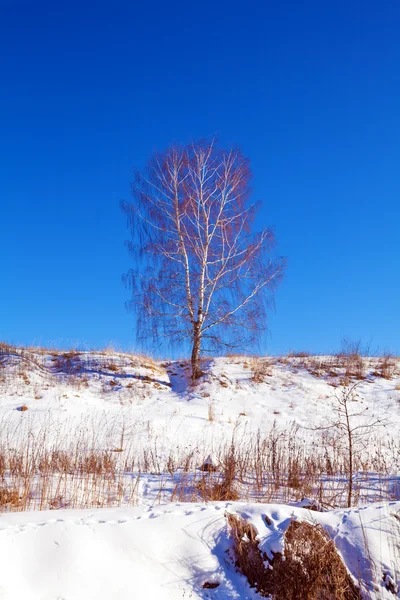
(178, 551)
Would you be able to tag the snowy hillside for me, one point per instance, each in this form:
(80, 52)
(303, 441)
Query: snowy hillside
(118, 475)
(143, 418)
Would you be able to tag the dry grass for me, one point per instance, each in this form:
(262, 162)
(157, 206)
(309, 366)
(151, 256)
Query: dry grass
(45, 477)
(223, 486)
(67, 362)
(349, 365)
(74, 368)
(386, 367)
(211, 490)
(262, 368)
(248, 558)
(101, 465)
(111, 365)
(9, 496)
(299, 354)
(311, 568)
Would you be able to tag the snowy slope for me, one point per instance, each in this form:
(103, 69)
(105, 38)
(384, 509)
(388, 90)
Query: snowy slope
(153, 421)
(120, 431)
(156, 397)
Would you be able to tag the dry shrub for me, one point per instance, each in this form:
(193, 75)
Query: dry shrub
(41, 350)
(23, 408)
(311, 568)
(5, 351)
(351, 360)
(301, 354)
(67, 362)
(219, 491)
(261, 368)
(214, 489)
(111, 366)
(386, 366)
(248, 558)
(146, 361)
(9, 496)
(6, 348)
(25, 378)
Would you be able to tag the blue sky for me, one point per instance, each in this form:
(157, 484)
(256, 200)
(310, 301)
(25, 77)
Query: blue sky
(310, 91)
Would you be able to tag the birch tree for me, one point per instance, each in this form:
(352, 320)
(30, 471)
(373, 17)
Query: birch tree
(202, 275)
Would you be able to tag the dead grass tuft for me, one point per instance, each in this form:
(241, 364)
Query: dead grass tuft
(9, 496)
(222, 488)
(67, 362)
(261, 368)
(221, 491)
(386, 366)
(248, 558)
(111, 366)
(311, 568)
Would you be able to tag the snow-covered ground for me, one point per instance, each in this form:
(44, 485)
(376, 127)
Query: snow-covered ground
(127, 436)
(155, 398)
(170, 552)
(149, 415)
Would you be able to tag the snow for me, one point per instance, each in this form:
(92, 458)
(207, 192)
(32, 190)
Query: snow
(140, 392)
(171, 551)
(149, 412)
(145, 545)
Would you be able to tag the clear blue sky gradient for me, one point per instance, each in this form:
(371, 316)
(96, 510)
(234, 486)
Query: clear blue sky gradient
(310, 91)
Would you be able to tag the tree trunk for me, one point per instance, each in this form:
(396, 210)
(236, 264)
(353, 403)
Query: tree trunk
(196, 371)
(350, 442)
(350, 486)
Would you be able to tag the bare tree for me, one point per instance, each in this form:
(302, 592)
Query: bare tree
(204, 276)
(355, 426)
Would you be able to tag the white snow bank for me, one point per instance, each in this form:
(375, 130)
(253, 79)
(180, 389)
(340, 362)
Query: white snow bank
(171, 551)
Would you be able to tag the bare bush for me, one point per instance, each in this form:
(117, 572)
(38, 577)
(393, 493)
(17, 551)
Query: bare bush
(347, 423)
(350, 358)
